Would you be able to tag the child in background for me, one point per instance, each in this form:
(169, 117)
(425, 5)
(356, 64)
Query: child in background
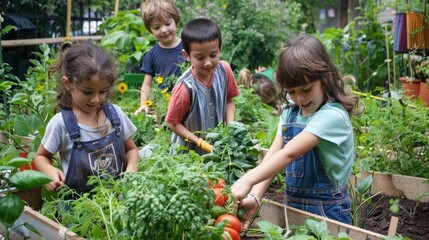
(160, 18)
(314, 142)
(202, 96)
(264, 87)
(93, 137)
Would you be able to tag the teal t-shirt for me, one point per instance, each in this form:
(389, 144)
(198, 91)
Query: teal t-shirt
(269, 73)
(331, 123)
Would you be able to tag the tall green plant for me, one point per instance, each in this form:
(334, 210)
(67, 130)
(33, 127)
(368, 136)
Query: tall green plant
(392, 137)
(127, 38)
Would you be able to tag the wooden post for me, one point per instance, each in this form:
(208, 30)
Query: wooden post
(68, 20)
(392, 227)
(116, 8)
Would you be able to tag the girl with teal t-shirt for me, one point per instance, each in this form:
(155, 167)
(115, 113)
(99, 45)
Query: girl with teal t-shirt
(314, 141)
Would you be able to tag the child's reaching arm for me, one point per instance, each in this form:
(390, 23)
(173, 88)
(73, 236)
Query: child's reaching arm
(144, 94)
(131, 155)
(43, 163)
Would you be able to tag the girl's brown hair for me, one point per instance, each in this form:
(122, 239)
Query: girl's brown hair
(303, 60)
(80, 62)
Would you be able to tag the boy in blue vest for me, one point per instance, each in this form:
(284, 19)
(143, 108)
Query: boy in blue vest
(202, 96)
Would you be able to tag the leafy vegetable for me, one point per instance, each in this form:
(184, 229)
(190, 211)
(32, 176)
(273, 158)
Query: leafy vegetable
(234, 151)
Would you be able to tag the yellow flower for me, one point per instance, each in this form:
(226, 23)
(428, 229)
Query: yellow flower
(159, 80)
(164, 90)
(40, 87)
(148, 103)
(167, 96)
(122, 87)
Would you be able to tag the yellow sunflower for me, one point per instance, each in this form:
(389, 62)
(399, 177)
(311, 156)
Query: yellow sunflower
(122, 87)
(148, 103)
(167, 96)
(159, 80)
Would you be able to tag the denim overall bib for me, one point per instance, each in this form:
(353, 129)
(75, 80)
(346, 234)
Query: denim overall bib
(308, 188)
(96, 157)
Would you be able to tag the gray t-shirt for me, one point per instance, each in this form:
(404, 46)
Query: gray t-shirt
(57, 139)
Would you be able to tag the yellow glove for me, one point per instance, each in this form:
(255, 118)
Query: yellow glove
(204, 145)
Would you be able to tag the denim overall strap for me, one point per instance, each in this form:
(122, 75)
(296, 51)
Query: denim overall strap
(112, 115)
(307, 185)
(72, 127)
(100, 157)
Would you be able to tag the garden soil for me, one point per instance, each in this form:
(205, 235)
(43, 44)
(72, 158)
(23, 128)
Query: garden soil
(415, 227)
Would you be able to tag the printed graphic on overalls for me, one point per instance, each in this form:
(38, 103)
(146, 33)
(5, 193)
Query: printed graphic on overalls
(103, 160)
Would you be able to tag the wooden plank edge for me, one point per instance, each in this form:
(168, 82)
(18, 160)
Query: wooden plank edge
(274, 212)
(39, 41)
(36, 219)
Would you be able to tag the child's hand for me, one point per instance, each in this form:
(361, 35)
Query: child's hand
(141, 109)
(58, 179)
(260, 69)
(250, 208)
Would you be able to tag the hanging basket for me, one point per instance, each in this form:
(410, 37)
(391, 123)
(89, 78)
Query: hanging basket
(400, 33)
(417, 31)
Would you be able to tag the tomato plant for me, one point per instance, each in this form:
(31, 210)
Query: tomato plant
(220, 183)
(232, 233)
(220, 197)
(231, 221)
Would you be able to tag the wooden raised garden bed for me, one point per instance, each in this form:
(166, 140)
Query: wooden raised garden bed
(397, 185)
(274, 212)
(48, 228)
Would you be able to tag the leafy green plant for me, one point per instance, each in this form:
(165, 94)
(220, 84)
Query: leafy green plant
(362, 198)
(392, 137)
(169, 198)
(234, 151)
(310, 230)
(11, 206)
(127, 38)
(90, 214)
(395, 205)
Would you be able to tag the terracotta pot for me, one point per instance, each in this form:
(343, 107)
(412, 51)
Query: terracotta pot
(411, 88)
(424, 92)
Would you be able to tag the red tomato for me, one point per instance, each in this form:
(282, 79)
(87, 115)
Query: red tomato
(232, 233)
(220, 183)
(232, 221)
(220, 198)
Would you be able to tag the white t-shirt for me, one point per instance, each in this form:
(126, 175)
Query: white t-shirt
(57, 138)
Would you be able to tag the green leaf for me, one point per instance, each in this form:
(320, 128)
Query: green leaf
(19, 98)
(5, 168)
(32, 228)
(18, 162)
(364, 185)
(11, 207)
(29, 179)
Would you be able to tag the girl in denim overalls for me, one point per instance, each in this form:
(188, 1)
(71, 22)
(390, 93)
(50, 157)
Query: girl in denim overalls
(93, 137)
(314, 141)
